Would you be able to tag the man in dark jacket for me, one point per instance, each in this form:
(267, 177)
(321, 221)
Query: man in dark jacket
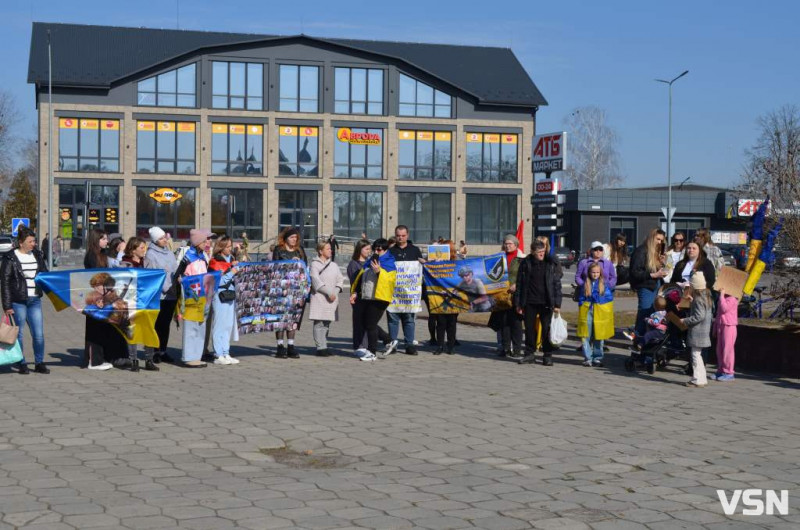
(538, 294)
(403, 250)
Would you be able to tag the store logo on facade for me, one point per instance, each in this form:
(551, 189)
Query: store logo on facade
(348, 136)
(165, 195)
(752, 499)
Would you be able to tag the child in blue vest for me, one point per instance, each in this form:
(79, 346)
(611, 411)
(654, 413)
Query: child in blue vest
(595, 316)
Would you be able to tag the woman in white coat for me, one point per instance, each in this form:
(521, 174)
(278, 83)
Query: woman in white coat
(326, 284)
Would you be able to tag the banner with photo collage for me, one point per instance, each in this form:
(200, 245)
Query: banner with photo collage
(271, 295)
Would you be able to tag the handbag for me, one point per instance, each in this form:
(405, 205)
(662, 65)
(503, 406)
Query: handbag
(623, 275)
(10, 354)
(8, 331)
(227, 297)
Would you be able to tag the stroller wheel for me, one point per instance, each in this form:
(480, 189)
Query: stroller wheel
(662, 364)
(630, 365)
(651, 368)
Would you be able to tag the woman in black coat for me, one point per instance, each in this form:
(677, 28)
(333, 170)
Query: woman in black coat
(694, 260)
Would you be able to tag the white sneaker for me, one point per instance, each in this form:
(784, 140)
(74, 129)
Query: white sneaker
(222, 360)
(368, 357)
(415, 343)
(391, 347)
(231, 360)
(104, 366)
(360, 352)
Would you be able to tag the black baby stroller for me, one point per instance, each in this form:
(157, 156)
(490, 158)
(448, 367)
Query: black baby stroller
(670, 346)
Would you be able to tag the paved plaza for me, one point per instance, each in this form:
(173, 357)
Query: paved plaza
(464, 441)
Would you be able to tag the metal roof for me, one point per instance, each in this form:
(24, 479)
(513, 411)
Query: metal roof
(99, 56)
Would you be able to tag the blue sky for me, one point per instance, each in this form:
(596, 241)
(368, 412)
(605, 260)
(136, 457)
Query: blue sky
(742, 58)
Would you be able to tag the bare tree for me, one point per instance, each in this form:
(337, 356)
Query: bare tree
(593, 160)
(9, 116)
(772, 168)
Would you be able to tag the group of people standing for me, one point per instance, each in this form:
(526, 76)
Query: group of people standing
(535, 293)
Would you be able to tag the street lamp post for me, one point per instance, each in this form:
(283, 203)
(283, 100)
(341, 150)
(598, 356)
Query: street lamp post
(669, 154)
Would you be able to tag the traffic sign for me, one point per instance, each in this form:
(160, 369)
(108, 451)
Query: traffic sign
(16, 222)
(671, 215)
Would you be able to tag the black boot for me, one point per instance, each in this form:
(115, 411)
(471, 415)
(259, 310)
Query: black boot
(281, 353)
(324, 353)
(439, 351)
(23, 369)
(135, 365)
(291, 353)
(547, 360)
(157, 358)
(41, 368)
(150, 366)
(450, 351)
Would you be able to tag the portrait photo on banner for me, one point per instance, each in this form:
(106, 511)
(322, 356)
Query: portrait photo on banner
(474, 285)
(271, 296)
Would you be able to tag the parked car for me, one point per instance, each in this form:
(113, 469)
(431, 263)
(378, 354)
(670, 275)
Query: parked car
(6, 243)
(565, 256)
(737, 252)
(785, 259)
(729, 258)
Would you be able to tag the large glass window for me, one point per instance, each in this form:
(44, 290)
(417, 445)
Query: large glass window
(88, 145)
(355, 212)
(623, 225)
(419, 99)
(358, 153)
(491, 157)
(175, 88)
(685, 225)
(299, 209)
(176, 218)
(358, 91)
(299, 88)
(75, 217)
(424, 155)
(490, 218)
(237, 149)
(427, 215)
(234, 211)
(299, 152)
(237, 85)
(165, 147)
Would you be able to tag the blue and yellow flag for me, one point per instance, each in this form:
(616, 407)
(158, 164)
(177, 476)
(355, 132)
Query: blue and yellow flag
(128, 298)
(197, 293)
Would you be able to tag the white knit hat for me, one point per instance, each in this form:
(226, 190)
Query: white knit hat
(156, 233)
(698, 281)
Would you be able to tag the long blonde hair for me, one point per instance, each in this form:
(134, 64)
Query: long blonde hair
(587, 285)
(653, 252)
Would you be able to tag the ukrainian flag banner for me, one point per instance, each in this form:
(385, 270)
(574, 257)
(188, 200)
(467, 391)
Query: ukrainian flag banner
(197, 292)
(127, 298)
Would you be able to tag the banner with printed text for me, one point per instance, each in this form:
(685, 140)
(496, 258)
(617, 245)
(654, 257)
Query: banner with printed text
(271, 295)
(474, 285)
(407, 288)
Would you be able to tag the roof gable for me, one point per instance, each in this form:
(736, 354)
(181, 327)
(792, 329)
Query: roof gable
(100, 55)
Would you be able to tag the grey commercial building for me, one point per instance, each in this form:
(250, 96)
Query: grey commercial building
(238, 132)
(591, 215)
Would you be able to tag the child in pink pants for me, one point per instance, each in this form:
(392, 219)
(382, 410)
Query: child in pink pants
(725, 331)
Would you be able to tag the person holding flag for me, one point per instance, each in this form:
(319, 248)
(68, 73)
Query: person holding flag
(193, 263)
(374, 288)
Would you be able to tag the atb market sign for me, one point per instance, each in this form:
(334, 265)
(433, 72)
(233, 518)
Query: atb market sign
(165, 195)
(347, 136)
(549, 152)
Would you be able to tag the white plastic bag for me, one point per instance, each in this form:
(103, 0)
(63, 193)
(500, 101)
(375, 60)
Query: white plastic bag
(558, 329)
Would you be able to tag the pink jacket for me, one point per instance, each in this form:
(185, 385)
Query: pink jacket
(727, 311)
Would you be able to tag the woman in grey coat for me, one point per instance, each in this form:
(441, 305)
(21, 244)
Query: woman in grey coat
(699, 322)
(326, 284)
(159, 256)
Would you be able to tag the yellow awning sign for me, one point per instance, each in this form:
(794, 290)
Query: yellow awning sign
(165, 195)
(358, 138)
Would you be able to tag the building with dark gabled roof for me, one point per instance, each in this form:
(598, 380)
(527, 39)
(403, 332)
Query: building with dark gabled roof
(243, 132)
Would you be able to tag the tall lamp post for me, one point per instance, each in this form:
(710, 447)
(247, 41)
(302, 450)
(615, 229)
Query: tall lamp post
(669, 154)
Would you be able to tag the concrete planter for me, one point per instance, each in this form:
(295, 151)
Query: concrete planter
(775, 351)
